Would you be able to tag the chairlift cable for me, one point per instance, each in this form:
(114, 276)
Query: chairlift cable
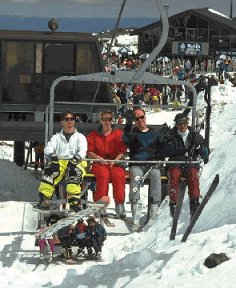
(108, 52)
(116, 28)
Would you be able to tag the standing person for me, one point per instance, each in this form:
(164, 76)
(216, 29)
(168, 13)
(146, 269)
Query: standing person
(39, 155)
(80, 235)
(144, 144)
(65, 152)
(185, 145)
(106, 144)
(45, 243)
(95, 237)
(66, 236)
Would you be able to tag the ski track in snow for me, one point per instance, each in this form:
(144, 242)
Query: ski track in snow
(146, 259)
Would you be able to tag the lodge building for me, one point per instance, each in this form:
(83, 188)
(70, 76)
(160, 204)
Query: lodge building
(196, 32)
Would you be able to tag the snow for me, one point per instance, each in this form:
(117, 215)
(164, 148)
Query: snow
(146, 259)
(126, 40)
(218, 13)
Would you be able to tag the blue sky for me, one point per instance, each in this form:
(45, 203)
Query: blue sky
(103, 8)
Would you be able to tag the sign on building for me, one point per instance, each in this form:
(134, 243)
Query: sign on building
(182, 48)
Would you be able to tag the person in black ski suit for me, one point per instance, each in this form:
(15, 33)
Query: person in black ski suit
(184, 145)
(95, 236)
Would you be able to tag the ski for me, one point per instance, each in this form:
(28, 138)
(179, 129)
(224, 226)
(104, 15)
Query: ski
(70, 219)
(148, 207)
(198, 212)
(148, 224)
(107, 222)
(177, 211)
(137, 207)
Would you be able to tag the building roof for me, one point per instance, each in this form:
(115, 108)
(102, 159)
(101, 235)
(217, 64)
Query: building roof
(47, 36)
(207, 13)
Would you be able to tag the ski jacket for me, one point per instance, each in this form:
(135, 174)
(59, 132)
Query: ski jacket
(195, 145)
(144, 146)
(64, 233)
(108, 147)
(98, 231)
(80, 231)
(63, 149)
(80, 228)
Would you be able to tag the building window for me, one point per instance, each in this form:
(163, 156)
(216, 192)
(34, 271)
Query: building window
(190, 34)
(58, 51)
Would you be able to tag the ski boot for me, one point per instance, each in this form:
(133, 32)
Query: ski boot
(98, 255)
(194, 203)
(50, 259)
(75, 204)
(120, 211)
(172, 208)
(90, 254)
(80, 252)
(154, 211)
(41, 256)
(44, 202)
(68, 253)
(136, 209)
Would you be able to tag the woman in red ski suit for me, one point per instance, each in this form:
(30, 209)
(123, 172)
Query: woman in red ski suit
(106, 143)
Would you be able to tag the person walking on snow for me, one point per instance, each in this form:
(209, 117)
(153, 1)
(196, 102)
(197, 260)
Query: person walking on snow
(44, 244)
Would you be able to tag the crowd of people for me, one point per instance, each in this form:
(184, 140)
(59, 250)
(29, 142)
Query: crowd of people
(67, 150)
(153, 97)
(165, 65)
(88, 236)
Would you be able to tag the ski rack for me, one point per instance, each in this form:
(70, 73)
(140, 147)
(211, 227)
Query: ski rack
(129, 77)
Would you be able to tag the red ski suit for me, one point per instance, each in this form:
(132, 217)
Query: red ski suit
(192, 175)
(108, 147)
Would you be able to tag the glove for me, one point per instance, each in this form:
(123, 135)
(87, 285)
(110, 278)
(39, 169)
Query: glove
(206, 160)
(76, 160)
(53, 158)
(205, 155)
(51, 168)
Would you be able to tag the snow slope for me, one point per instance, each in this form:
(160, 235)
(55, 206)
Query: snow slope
(146, 259)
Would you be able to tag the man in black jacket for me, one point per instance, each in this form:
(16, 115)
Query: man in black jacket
(144, 144)
(184, 145)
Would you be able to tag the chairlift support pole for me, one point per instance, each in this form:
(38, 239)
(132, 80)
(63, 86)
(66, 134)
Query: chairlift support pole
(110, 46)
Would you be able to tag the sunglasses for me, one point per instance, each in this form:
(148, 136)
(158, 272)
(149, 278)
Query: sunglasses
(107, 119)
(69, 119)
(140, 117)
(182, 123)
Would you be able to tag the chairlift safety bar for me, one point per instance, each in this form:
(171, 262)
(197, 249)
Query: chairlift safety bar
(144, 162)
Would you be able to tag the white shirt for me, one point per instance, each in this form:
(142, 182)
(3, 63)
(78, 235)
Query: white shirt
(184, 136)
(63, 149)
